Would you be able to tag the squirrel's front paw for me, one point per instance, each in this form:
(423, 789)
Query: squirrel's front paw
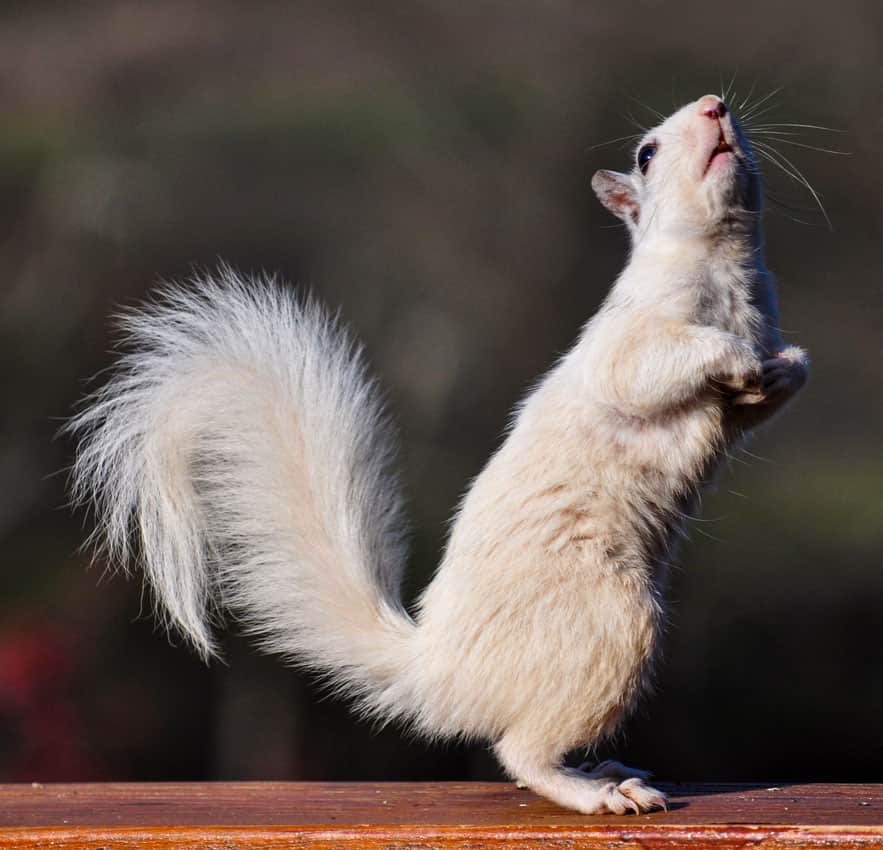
(742, 374)
(783, 375)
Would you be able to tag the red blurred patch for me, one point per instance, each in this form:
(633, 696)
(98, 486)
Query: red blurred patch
(42, 731)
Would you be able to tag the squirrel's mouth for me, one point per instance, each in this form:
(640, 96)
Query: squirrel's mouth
(722, 147)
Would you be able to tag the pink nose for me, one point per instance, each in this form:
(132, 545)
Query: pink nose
(712, 107)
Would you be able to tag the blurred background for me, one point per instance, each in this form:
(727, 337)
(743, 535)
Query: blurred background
(424, 167)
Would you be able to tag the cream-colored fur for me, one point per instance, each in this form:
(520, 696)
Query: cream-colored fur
(243, 443)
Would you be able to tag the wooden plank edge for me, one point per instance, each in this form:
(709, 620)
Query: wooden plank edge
(614, 837)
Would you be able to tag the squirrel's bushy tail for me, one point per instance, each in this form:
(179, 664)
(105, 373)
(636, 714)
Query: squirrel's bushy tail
(241, 442)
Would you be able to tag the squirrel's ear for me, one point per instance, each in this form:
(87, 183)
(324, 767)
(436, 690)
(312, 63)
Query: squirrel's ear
(617, 192)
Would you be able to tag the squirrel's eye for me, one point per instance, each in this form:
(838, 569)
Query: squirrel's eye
(644, 156)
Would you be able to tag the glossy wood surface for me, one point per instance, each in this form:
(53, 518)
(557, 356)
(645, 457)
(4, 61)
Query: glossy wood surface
(415, 815)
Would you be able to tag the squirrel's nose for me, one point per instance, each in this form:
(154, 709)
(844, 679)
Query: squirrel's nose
(711, 106)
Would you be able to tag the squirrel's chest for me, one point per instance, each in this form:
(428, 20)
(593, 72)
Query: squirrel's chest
(725, 301)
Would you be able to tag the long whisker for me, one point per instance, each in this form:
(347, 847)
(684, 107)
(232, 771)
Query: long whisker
(751, 112)
(629, 138)
(794, 218)
(649, 108)
(753, 131)
(760, 113)
(778, 209)
(746, 125)
(731, 96)
(629, 118)
(747, 97)
(780, 206)
(726, 96)
(774, 156)
(778, 138)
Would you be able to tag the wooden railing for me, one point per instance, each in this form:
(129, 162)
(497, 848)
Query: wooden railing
(478, 816)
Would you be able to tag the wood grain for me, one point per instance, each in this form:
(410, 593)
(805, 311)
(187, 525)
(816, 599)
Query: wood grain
(296, 815)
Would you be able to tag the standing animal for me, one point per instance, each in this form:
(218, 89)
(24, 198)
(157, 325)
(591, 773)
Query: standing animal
(242, 446)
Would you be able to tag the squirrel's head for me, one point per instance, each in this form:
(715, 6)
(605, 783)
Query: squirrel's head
(693, 174)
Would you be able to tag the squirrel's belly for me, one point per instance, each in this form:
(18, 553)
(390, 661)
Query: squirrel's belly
(568, 645)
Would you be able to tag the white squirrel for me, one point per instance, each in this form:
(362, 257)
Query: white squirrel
(244, 446)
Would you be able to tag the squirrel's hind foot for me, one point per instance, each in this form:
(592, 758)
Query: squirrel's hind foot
(611, 788)
(626, 793)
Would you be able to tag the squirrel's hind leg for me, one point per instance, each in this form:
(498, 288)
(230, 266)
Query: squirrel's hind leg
(594, 793)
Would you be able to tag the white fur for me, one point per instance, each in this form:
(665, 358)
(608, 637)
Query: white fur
(243, 441)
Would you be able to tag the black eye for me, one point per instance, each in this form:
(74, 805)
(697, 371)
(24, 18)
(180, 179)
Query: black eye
(644, 156)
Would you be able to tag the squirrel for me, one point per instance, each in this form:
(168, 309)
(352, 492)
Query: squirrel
(243, 456)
